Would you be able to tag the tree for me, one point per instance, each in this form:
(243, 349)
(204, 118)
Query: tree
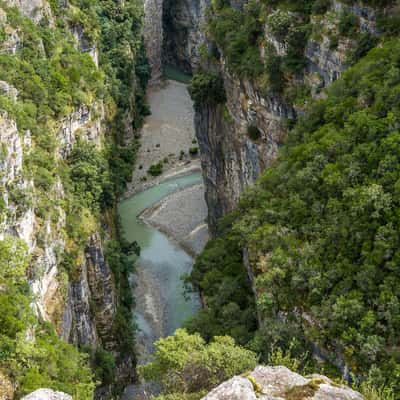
(184, 363)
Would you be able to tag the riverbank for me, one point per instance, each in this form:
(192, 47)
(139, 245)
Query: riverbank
(181, 216)
(166, 137)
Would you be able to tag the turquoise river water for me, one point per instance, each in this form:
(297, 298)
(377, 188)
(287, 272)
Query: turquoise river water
(161, 305)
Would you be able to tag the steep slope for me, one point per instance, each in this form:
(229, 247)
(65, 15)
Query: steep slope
(72, 81)
(315, 241)
(271, 58)
(318, 234)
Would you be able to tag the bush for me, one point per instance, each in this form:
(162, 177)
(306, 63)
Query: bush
(193, 151)
(104, 366)
(156, 169)
(184, 363)
(207, 88)
(321, 6)
(348, 24)
(280, 22)
(364, 44)
(273, 67)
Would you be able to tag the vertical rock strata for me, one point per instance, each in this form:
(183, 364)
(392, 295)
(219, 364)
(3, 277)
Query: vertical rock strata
(153, 36)
(231, 159)
(82, 309)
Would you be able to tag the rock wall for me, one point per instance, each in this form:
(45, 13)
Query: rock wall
(230, 159)
(153, 36)
(83, 310)
(33, 9)
(183, 26)
(92, 302)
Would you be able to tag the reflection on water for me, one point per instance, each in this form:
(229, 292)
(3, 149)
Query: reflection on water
(161, 306)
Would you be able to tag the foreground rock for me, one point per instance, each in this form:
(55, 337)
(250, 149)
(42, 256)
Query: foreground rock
(278, 383)
(47, 394)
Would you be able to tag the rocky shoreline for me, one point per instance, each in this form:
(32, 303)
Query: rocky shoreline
(181, 217)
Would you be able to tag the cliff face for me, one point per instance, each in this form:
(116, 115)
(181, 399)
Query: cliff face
(80, 299)
(231, 159)
(183, 27)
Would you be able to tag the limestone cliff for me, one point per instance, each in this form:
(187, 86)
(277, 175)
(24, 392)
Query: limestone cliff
(231, 159)
(72, 283)
(184, 35)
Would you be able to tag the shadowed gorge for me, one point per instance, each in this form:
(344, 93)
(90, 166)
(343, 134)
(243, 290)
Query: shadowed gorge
(199, 199)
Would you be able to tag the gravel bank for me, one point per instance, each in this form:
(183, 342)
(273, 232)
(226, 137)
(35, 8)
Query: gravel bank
(182, 216)
(167, 132)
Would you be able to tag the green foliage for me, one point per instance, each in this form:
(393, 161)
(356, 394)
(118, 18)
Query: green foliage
(104, 366)
(118, 254)
(185, 364)
(280, 22)
(54, 75)
(207, 88)
(365, 43)
(156, 169)
(89, 175)
(348, 24)
(193, 151)
(321, 226)
(218, 273)
(321, 6)
(237, 33)
(39, 359)
(274, 70)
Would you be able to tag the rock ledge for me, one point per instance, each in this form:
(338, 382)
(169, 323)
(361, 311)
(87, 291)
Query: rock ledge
(279, 383)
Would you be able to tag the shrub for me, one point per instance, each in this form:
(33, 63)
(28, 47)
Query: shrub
(348, 24)
(184, 363)
(156, 169)
(206, 88)
(193, 151)
(273, 67)
(321, 6)
(279, 22)
(364, 44)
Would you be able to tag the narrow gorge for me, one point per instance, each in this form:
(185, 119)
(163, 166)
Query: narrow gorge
(199, 199)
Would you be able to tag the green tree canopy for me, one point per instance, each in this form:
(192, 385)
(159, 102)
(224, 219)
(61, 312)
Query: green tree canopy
(184, 363)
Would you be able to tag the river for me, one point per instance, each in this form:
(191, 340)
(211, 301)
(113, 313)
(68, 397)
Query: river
(161, 304)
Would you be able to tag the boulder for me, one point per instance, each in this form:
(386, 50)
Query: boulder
(279, 383)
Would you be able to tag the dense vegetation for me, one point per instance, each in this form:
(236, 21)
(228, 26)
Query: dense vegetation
(55, 75)
(44, 360)
(188, 367)
(321, 228)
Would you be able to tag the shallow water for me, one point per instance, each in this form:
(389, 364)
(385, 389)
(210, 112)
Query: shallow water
(161, 306)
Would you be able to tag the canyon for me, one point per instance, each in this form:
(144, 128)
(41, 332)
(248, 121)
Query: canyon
(193, 162)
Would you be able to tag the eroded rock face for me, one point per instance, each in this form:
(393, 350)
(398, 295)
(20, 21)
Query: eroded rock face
(91, 307)
(153, 36)
(33, 9)
(47, 394)
(183, 22)
(45, 236)
(230, 159)
(279, 383)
